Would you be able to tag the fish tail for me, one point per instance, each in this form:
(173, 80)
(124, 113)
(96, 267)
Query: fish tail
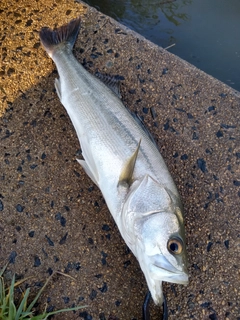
(65, 35)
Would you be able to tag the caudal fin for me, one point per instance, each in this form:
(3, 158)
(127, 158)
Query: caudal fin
(66, 35)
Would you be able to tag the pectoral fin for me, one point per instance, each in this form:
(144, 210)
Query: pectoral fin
(127, 171)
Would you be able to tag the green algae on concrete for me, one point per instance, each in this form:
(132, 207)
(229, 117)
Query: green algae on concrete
(54, 218)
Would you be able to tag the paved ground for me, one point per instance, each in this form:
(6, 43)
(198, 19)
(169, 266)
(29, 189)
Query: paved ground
(54, 218)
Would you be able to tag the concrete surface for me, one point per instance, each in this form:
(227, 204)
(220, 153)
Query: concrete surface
(54, 218)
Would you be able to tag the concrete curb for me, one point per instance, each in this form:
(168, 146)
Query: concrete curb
(54, 218)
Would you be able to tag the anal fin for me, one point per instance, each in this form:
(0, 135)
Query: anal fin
(58, 88)
(87, 170)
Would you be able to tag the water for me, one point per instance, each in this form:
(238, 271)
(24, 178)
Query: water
(205, 33)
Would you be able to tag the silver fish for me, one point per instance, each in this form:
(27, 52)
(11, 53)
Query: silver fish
(123, 161)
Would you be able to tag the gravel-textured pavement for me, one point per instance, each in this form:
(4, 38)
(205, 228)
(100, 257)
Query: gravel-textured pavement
(53, 218)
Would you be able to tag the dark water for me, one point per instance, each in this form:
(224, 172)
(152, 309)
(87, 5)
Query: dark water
(206, 33)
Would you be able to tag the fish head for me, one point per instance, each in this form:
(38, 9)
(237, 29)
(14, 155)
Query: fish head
(161, 252)
(155, 228)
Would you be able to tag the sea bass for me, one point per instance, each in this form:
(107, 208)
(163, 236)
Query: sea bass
(124, 162)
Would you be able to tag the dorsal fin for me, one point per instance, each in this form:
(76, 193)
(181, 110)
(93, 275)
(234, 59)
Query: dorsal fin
(142, 125)
(127, 171)
(110, 81)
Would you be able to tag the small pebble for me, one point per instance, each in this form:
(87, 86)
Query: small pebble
(72, 266)
(12, 257)
(132, 91)
(213, 316)
(195, 136)
(223, 95)
(201, 163)
(106, 227)
(43, 156)
(63, 221)
(50, 272)
(80, 299)
(166, 125)
(37, 261)
(77, 174)
(85, 315)
(1, 205)
(211, 108)
(63, 239)
(45, 253)
(104, 254)
(165, 71)
(184, 157)
(19, 168)
(153, 113)
(209, 246)
(104, 288)
(19, 208)
(102, 316)
(66, 299)
(219, 134)
(56, 259)
(126, 263)
(117, 303)
(90, 241)
(50, 309)
(31, 234)
(39, 284)
(226, 243)
(60, 218)
(145, 110)
(50, 242)
(205, 304)
(93, 294)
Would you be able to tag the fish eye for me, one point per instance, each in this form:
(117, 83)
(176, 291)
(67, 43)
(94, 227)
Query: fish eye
(175, 246)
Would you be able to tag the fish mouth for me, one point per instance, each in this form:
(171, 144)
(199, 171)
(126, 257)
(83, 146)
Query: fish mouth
(163, 270)
(159, 269)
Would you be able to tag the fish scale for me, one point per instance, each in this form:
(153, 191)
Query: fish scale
(97, 116)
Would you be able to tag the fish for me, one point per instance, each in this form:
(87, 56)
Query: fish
(122, 159)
